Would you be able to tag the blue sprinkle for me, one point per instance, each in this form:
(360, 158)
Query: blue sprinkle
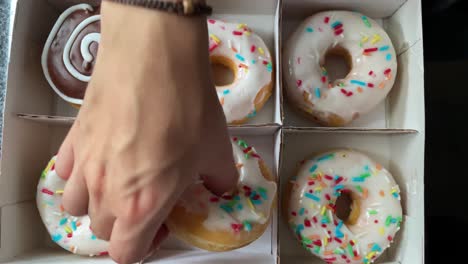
(311, 196)
(299, 228)
(384, 48)
(388, 57)
(337, 23)
(393, 220)
(366, 168)
(253, 114)
(338, 187)
(56, 237)
(309, 29)
(239, 57)
(93, 237)
(239, 207)
(301, 212)
(263, 193)
(360, 83)
(269, 67)
(395, 194)
(376, 247)
(254, 61)
(73, 224)
(256, 202)
(63, 221)
(340, 224)
(313, 168)
(237, 198)
(227, 91)
(338, 232)
(226, 208)
(326, 157)
(317, 92)
(358, 179)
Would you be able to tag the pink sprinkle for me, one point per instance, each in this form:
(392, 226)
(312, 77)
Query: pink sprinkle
(299, 82)
(104, 253)
(328, 177)
(347, 93)
(338, 240)
(236, 227)
(324, 79)
(324, 225)
(253, 48)
(335, 222)
(387, 71)
(234, 138)
(265, 62)
(53, 167)
(294, 213)
(317, 243)
(370, 85)
(311, 183)
(47, 191)
(338, 27)
(339, 32)
(371, 73)
(326, 20)
(214, 199)
(389, 238)
(351, 242)
(237, 33)
(307, 222)
(247, 188)
(212, 21)
(330, 259)
(339, 180)
(327, 196)
(212, 47)
(370, 50)
(314, 219)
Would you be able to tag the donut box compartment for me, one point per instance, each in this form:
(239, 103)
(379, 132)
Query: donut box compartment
(261, 17)
(403, 108)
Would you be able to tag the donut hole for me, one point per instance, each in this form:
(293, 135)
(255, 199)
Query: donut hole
(347, 208)
(223, 70)
(338, 64)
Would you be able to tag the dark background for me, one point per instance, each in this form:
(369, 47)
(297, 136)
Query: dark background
(445, 24)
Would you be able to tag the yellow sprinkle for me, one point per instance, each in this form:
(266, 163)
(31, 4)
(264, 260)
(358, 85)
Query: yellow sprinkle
(325, 242)
(59, 192)
(239, 26)
(324, 209)
(261, 51)
(68, 229)
(318, 189)
(249, 202)
(370, 255)
(364, 39)
(376, 39)
(216, 39)
(247, 33)
(381, 231)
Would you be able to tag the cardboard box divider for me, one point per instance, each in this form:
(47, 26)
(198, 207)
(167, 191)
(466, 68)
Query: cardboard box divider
(36, 121)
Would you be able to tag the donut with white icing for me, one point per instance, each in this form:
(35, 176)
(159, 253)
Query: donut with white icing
(244, 52)
(232, 221)
(310, 205)
(370, 55)
(70, 232)
(70, 52)
(200, 218)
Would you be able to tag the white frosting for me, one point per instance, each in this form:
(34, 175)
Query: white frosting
(246, 208)
(66, 54)
(254, 63)
(87, 40)
(373, 64)
(316, 187)
(70, 232)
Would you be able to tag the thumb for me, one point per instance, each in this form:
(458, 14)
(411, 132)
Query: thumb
(217, 166)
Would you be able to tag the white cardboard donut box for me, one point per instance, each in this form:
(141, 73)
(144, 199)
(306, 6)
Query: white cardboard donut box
(36, 121)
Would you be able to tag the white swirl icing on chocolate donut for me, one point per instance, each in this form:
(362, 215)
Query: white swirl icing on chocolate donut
(85, 44)
(84, 48)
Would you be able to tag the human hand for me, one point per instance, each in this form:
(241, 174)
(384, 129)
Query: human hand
(149, 126)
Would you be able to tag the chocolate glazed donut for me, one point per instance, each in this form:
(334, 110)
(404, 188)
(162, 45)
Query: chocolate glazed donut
(70, 52)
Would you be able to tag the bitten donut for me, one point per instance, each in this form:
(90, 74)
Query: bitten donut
(70, 232)
(199, 218)
(231, 221)
(370, 56)
(239, 49)
(375, 215)
(70, 52)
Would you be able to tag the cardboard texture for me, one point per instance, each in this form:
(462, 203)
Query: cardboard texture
(36, 121)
